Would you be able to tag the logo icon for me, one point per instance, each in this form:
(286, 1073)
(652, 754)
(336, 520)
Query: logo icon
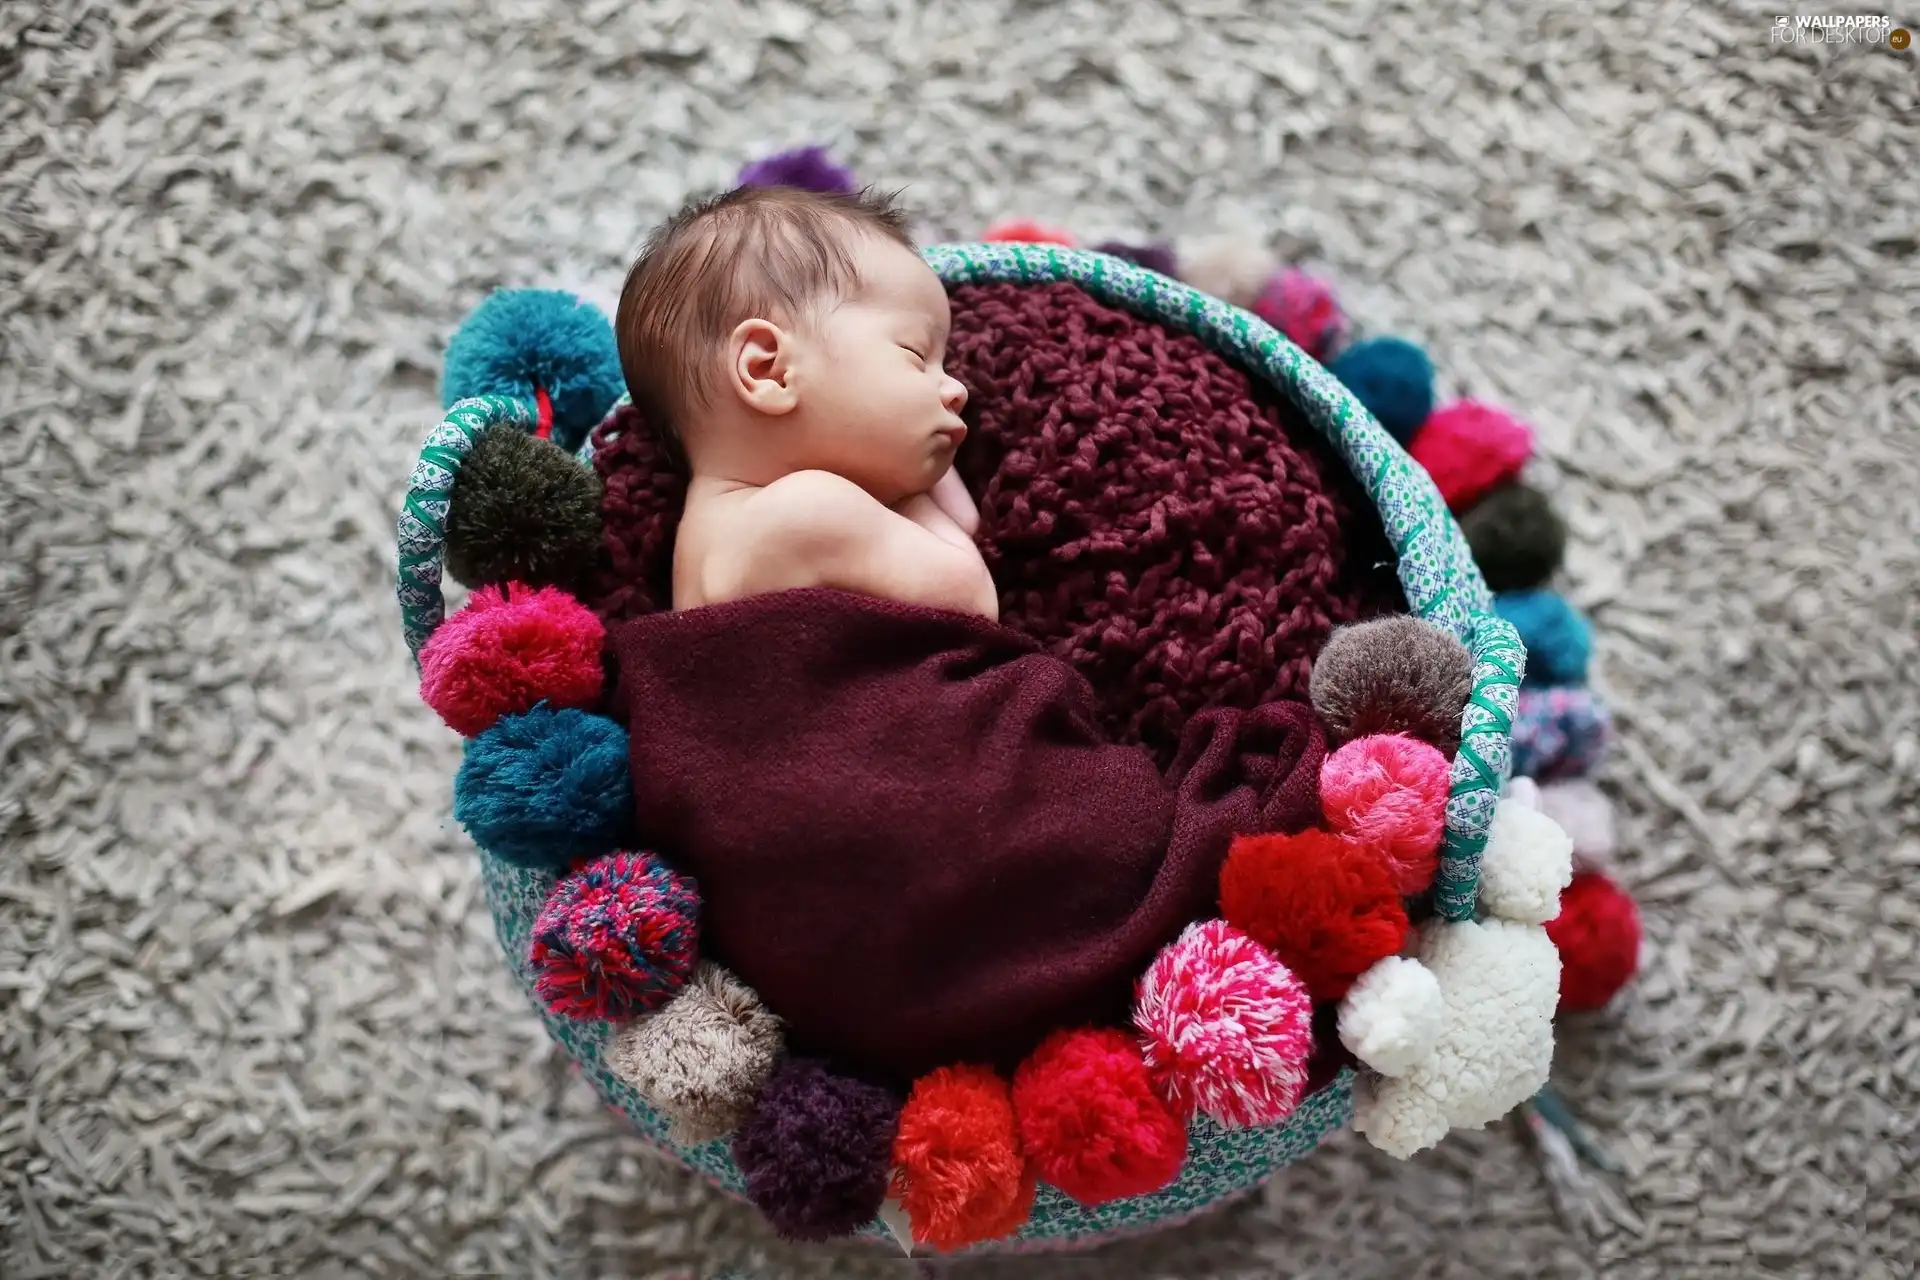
(1899, 38)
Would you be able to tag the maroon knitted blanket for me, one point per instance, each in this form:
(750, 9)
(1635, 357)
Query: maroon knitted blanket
(912, 836)
(923, 838)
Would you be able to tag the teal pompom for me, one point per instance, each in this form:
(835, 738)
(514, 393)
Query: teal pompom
(1393, 378)
(520, 339)
(545, 787)
(1559, 640)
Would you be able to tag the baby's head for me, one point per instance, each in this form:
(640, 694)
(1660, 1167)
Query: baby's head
(771, 330)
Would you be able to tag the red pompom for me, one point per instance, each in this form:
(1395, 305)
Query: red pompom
(1469, 448)
(1090, 1119)
(1598, 934)
(1390, 791)
(1326, 905)
(1027, 231)
(958, 1171)
(509, 648)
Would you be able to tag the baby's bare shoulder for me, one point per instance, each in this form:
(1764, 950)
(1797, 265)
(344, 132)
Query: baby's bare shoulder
(811, 507)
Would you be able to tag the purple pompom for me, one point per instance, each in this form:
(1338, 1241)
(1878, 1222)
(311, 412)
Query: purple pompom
(817, 1151)
(616, 939)
(1154, 257)
(807, 168)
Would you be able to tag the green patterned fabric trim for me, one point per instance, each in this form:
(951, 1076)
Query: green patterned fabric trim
(423, 512)
(1481, 766)
(1437, 572)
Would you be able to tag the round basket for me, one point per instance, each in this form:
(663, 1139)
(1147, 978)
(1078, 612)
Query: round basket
(1437, 576)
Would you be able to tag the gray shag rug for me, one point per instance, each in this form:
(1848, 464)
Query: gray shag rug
(252, 1015)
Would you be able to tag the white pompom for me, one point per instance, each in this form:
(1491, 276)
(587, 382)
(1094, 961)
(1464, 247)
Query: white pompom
(1392, 1015)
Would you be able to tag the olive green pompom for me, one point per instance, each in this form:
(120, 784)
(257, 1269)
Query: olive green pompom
(1516, 536)
(522, 510)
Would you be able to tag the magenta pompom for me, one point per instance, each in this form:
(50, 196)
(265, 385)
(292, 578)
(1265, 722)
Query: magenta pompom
(1303, 307)
(1390, 791)
(511, 647)
(616, 938)
(1227, 1027)
(1470, 448)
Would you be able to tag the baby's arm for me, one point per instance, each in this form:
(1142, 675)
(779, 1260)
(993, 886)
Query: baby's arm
(952, 497)
(816, 529)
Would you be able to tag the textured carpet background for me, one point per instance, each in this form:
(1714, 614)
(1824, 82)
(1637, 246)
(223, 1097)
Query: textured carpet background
(251, 1012)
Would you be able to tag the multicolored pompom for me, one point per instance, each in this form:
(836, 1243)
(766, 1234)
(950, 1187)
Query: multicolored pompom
(511, 647)
(1390, 791)
(1303, 307)
(703, 1058)
(817, 1151)
(958, 1170)
(1559, 733)
(1326, 905)
(1091, 1120)
(616, 938)
(1226, 1027)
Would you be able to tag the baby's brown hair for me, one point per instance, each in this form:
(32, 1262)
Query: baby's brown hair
(752, 251)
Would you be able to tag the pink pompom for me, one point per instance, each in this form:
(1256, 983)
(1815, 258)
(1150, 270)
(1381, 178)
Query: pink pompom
(1027, 231)
(1390, 791)
(1227, 1027)
(1469, 448)
(510, 648)
(1303, 307)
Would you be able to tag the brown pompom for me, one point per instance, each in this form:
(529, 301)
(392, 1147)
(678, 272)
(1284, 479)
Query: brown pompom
(701, 1060)
(1392, 675)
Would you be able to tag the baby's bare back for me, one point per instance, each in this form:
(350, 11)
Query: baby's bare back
(816, 529)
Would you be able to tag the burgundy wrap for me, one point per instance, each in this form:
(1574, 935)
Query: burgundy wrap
(913, 837)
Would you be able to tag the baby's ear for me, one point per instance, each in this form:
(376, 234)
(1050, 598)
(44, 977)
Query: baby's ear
(760, 366)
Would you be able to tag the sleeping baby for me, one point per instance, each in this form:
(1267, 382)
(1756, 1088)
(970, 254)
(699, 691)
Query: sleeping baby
(911, 835)
(790, 344)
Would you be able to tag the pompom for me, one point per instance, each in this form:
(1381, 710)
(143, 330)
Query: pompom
(1227, 1027)
(1303, 307)
(1586, 815)
(1558, 733)
(522, 510)
(1393, 675)
(1154, 257)
(1516, 536)
(1325, 905)
(1598, 934)
(616, 938)
(1393, 1015)
(1390, 791)
(701, 1060)
(1232, 268)
(509, 648)
(1527, 862)
(958, 1170)
(1559, 640)
(1394, 379)
(1027, 231)
(1469, 448)
(545, 787)
(1090, 1120)
(808, 168)
(521, 339)
(816, 1151)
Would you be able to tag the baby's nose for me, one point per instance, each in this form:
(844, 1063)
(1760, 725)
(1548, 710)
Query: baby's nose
(953, 395)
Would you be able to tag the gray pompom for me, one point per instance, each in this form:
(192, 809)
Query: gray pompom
(1392, 675)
